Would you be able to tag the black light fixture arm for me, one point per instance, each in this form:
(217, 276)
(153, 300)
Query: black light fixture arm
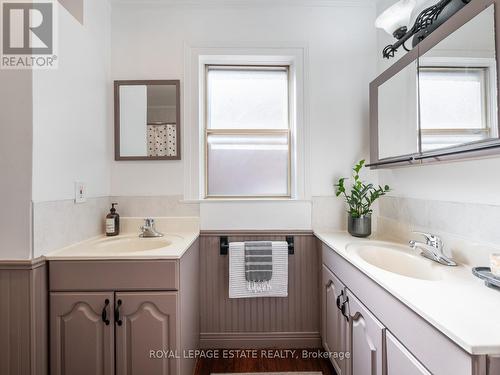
(390, 50)
(424, 20)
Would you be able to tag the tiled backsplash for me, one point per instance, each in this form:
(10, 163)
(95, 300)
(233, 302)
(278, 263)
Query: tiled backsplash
(470, 231)
(166, 205)
(330, 213)
(61, 223)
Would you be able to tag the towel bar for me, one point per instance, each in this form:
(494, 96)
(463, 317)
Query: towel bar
(224, 245)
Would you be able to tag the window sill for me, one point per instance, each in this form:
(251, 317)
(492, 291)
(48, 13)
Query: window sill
(242, 200)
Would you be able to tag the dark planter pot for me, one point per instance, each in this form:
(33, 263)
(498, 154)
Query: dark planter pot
(359, 226)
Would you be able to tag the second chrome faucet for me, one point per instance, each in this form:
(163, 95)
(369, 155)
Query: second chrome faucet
(149, 230)
(432, 249)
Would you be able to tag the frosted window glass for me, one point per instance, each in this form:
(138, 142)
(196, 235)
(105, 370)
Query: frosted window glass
(255, 165)
(247, 99)
(437, 141)
(452, 99)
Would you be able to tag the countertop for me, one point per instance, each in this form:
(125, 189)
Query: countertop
(179, 235)
(459, 305)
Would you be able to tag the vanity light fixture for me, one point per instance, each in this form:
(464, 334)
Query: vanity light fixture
(396, 20)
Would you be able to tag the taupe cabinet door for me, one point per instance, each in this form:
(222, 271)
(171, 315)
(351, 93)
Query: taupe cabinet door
(366, 337)
(81, 342)
(400, 360)
(334, 324)
(147, 322)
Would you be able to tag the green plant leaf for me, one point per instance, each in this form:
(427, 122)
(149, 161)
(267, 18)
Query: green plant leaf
(362, 195)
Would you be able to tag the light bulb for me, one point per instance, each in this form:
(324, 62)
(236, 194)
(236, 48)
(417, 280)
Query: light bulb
(396, 17)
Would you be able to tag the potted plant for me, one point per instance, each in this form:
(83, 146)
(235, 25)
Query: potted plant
(359, 201)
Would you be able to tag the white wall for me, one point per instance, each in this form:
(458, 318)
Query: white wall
(341, 62)
(472, 181)
(70, 118)
(16, 134)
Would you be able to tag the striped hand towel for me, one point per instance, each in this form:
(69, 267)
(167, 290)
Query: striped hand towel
(238, 287)
(258, 265)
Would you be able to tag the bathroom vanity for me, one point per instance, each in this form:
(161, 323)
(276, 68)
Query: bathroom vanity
(399, 313)
(136, 304)
(123, 297)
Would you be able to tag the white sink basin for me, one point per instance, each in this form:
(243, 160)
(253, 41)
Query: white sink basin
(398, 260)
(129, 244)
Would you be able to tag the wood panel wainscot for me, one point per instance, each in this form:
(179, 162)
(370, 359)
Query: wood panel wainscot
(23, 317)
(291, 322)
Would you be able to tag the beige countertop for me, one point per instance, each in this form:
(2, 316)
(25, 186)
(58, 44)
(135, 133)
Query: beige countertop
(458, 304)
(179, 235)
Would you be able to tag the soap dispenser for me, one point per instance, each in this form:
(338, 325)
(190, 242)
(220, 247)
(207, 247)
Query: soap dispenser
(112, 221)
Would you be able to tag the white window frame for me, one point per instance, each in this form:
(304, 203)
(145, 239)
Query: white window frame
(196, 56)
(287, 131)
(489, 92)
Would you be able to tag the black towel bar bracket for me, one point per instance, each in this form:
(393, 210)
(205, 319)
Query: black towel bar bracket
(224, 245)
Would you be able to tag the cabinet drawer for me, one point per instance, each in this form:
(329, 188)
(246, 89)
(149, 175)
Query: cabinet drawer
(400, 360)
(114, 275)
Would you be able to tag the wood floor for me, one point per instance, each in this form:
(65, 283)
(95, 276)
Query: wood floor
(261, 361)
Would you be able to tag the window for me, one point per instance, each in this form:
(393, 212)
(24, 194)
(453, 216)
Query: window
(454, 106)
(247, 132)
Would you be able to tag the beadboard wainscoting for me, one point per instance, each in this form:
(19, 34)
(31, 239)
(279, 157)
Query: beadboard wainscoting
(23, 317)
(291, 322)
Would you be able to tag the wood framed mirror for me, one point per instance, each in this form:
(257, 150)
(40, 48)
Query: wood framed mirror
(147, 120)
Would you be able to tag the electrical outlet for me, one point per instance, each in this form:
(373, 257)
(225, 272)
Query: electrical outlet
(80, 192)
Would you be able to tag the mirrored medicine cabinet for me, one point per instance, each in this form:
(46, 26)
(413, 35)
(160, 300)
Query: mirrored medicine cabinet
(440, 100)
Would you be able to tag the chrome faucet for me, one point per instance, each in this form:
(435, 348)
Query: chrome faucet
(149, 230)
(432, 249)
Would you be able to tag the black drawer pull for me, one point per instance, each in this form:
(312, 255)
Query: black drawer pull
(104, 314)
(339, 299)
(117, 312)
(344, 307)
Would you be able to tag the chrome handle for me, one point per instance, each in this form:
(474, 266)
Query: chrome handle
(432, 239)
(148, 223)
(428, 236)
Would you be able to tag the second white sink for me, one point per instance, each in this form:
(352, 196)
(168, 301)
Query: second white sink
(131, 244)
(398, 260)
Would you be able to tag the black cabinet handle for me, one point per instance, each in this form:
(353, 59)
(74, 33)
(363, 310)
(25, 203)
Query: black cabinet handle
(343, 309)
(339, 299)
(117, 312)
(104, 314)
